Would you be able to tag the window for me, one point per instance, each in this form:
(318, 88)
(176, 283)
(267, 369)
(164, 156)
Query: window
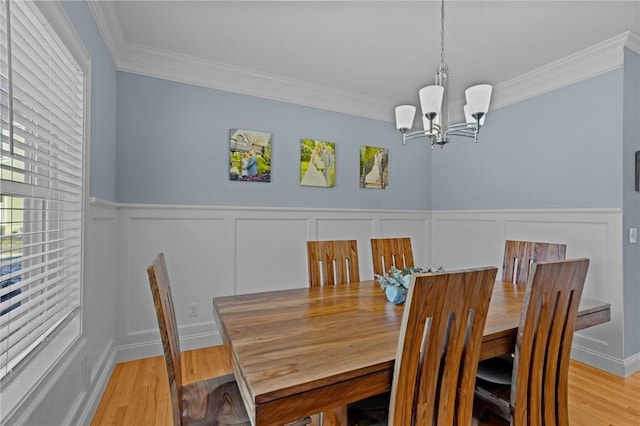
(41, 189)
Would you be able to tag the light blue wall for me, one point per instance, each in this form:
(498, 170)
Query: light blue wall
(173, 148)
(103, 103)
(561, 149)
(631, 202)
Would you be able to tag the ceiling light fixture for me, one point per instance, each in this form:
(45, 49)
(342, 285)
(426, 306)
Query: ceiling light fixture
(435, 107)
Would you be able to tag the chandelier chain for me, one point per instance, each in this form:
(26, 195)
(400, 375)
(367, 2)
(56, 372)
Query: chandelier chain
(442, 34)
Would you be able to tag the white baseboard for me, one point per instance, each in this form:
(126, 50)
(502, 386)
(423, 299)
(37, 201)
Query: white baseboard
(202, 340)
(631, 365)
(153, 348)
(617, 366)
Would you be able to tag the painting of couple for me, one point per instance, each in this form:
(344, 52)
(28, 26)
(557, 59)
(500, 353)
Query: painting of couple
(373, 167)
(317, 163)
(249, 156)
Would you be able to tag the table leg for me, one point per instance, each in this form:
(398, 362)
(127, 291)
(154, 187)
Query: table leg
(335, 417)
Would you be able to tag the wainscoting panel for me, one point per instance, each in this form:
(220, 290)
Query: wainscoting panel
(583, 239)
(198, 264)
(475, 238)
(270, 254)
(466, 241)
(100, 288)
(597, 236)
(217, 251)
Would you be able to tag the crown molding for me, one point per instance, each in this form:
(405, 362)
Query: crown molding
(633, 43)
(590, 62)
(188, 69)
(104, 14)
(587, 63)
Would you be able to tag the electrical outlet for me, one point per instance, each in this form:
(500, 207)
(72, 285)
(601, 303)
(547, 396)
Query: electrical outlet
(193, 310)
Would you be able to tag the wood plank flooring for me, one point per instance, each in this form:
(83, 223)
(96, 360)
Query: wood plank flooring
(137, 392)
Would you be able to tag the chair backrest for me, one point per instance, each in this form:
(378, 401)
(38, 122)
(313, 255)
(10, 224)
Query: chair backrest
(388, 252)
(159, 282)
(332, 262)
(519, 255)
(543, 346)
(439, 348)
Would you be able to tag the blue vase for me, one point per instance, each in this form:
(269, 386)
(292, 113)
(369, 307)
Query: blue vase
(395, 295)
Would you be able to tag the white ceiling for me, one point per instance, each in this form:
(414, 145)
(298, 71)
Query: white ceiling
(381, 51)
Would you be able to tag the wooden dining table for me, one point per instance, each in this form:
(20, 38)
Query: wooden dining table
(304, 351)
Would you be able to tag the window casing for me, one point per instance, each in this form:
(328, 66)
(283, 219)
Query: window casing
(42, 168)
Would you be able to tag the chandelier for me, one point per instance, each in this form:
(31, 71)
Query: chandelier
(435, 107)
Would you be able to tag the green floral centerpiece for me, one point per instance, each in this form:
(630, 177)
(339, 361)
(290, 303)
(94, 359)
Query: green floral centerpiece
(396, 283)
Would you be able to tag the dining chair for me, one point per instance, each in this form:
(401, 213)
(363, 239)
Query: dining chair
(216, 401)
(516, 265)
(532, 390)
(332, 262)
(388, 252)
(438, 350)
(519, 255)
(206, 402)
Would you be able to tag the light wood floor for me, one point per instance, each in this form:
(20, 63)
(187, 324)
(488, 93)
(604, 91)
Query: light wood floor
(137, 393)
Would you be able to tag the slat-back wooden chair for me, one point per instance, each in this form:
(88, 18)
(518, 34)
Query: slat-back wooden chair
(438, 350)
(332, 262)
(519, 255)
(537, 383)
(210, 402)
(388, 252)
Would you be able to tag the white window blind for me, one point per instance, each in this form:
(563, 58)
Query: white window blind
(41, 185)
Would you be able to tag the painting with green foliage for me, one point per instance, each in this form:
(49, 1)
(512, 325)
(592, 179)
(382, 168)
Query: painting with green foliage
(317, 163)
(249, 156)
(374, 171)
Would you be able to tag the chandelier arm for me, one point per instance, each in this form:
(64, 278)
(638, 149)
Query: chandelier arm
(413, 135)
(467, 133)
(432, 139)
(463, 126)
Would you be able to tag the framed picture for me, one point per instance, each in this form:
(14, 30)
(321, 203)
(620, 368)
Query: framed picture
(638, 171)
(374, 171)
(249, 156)
(317, 163)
